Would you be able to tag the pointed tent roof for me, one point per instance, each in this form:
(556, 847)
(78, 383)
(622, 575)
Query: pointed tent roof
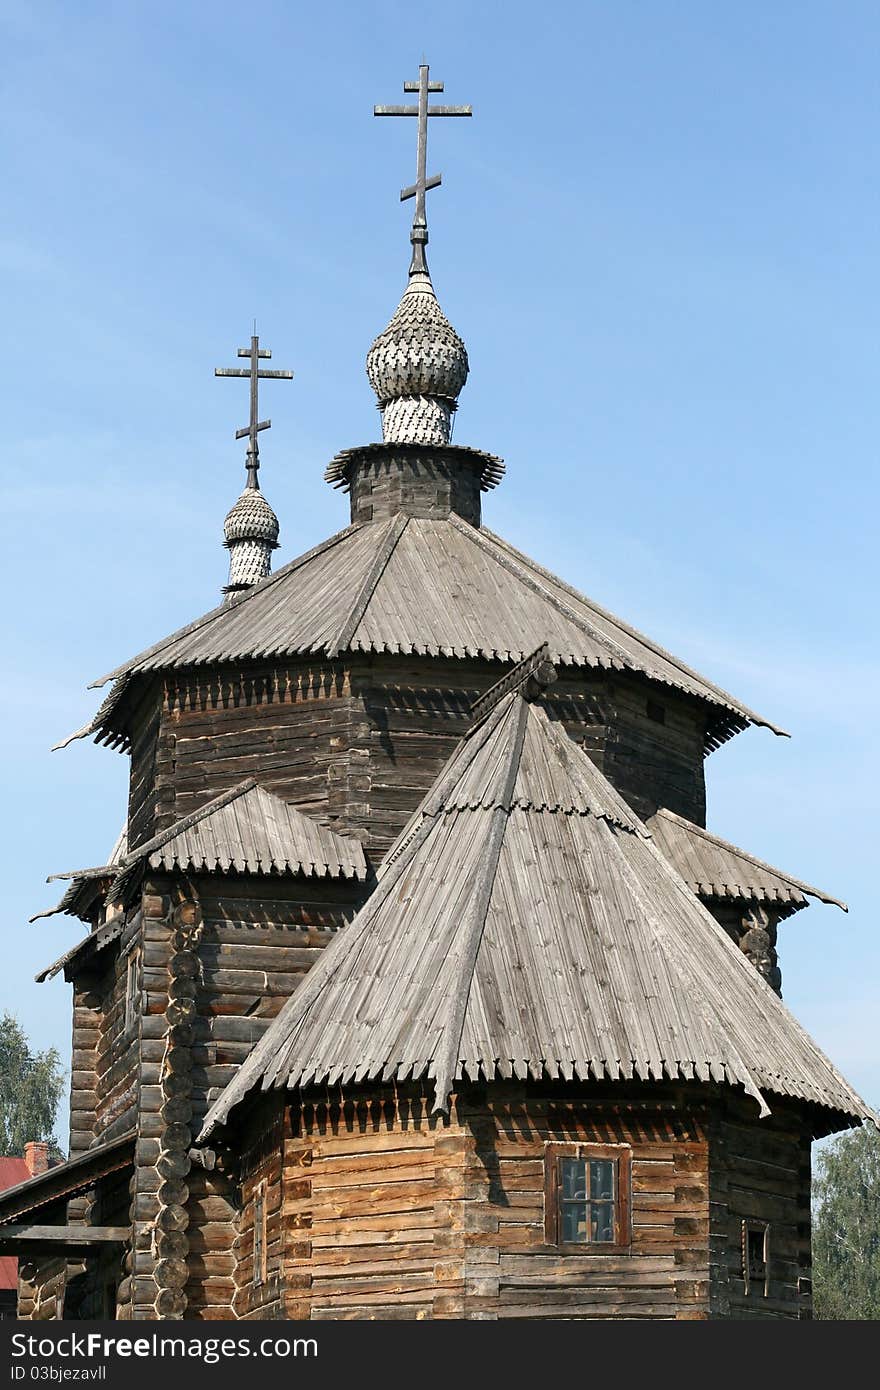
(714, 868)
(525, 924)
(418, 586)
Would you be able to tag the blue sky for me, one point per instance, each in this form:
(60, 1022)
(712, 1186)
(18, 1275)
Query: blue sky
(658, 237)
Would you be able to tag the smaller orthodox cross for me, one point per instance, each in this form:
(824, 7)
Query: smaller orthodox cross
(255, 372)
(419, 234)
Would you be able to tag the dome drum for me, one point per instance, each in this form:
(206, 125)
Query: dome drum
(431, 481)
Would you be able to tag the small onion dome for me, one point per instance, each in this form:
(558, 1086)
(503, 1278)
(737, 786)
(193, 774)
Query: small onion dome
(251, 519)
(419, 354)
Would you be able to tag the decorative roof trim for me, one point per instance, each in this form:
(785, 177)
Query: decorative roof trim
(130, 667)
(66, 1179)
(91, 944)
(519, 565)
(717, 890)
(536, 668)
(338, 470)
(544, 994)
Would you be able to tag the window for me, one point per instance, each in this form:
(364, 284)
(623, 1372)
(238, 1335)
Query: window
(756, 1258)
(260, 1234)
(131, 990)
(587, 1197)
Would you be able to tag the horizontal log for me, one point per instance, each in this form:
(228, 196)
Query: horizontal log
(21, 1235)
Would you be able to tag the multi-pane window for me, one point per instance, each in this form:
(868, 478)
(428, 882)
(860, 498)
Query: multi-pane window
(586, 1200)
(586, 1196)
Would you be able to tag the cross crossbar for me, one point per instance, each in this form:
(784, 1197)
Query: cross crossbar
(422, 111)
(255, 373)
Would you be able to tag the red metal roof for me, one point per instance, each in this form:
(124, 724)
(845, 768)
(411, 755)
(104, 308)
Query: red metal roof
(12, 1172)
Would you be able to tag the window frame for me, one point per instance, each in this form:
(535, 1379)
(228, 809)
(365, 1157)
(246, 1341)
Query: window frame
(260, 1269)
(750, 1225)
(132, 989)
(621, 1155)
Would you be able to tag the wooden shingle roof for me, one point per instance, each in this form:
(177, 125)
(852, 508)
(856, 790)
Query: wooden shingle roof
(714, 868)
(245, 830)
(526, 925)
(417, 586)
(248, 830)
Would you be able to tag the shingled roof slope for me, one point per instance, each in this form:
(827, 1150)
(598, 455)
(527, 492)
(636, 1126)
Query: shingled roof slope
(245, 830)
(525, 924)
(433, 587)
(714, 868)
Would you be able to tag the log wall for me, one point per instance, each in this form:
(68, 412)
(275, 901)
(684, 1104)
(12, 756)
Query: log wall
(760, 1172)
(357, 744)
(389, 1212)
(377, 1210)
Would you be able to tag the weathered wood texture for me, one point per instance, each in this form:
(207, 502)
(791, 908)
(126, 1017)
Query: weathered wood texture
(144, 725)
(387, 1212)
(42, 1283)
(760, 1173)
(206, 1001)
(356, 744)
(428, 484)
(97, 1286)
(103, 1077)
(260, 1294)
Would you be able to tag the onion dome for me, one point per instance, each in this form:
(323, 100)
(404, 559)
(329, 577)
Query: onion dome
(250, 534)
(417, 367)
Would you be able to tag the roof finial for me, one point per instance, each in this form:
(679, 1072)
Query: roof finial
(419, 234)
(251, 528)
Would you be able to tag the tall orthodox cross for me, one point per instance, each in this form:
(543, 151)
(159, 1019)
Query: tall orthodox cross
(419, 234)
(256, 373)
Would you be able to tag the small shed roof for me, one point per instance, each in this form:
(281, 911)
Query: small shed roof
(526, 924)
(245, 830)
(418, 586)
(67, 1179)
(714, 868)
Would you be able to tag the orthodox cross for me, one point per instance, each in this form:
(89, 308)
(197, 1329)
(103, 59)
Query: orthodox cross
(255, 372)
(417, 190)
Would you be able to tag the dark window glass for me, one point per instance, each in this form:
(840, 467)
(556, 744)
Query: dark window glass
(587, 1200)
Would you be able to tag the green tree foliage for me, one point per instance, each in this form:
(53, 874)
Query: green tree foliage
(31, 1084)
(846, 1227)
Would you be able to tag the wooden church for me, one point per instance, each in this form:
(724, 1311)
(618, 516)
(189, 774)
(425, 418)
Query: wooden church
(416, 986)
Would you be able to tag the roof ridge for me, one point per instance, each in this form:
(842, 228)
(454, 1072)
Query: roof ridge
(393, 532)
(634, 632)
(229, 605)
(432, 803)
(479, 539)
(474, 924)
(536, 668)
(296, 1007)
(425, 984)
(706, 834)
(185, 822)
